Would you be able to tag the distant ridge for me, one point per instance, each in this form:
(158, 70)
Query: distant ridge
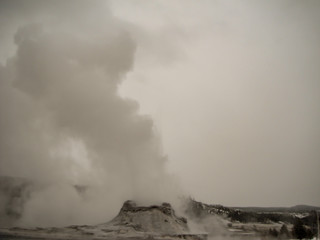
(264, 215)
(293, 209)
(219, 209)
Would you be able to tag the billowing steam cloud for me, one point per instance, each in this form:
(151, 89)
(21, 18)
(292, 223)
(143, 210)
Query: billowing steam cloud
(63, 124)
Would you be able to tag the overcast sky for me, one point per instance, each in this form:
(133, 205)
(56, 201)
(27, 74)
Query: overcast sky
(218, 100)
(234, 88)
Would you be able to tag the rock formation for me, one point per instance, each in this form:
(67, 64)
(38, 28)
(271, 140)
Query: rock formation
(134, 222)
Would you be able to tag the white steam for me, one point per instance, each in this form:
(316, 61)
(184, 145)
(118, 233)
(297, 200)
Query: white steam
(62, 121)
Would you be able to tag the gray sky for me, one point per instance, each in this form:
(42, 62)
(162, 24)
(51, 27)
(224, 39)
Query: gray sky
(234, 88)
(149, 100)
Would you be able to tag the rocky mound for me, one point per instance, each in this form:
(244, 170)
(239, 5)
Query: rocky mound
(152, 219)
(134, 222)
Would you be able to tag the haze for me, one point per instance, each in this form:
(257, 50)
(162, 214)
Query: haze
(153, 100)
(234, 89)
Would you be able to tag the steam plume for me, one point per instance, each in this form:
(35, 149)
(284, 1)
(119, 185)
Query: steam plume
(62, 121)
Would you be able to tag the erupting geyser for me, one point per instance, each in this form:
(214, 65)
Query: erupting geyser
(156, 221)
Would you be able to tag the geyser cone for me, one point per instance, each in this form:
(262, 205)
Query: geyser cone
(154, 219)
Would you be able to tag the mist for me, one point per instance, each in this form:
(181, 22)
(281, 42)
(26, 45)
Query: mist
(234, 89)
(63, 124)
(105, 101)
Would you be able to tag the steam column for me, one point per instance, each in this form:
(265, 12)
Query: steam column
(318, 223)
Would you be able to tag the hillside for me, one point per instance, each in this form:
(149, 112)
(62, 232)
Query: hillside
(257, 220)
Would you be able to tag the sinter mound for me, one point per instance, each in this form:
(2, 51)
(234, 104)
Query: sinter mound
(134, 222)
(153, 219)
